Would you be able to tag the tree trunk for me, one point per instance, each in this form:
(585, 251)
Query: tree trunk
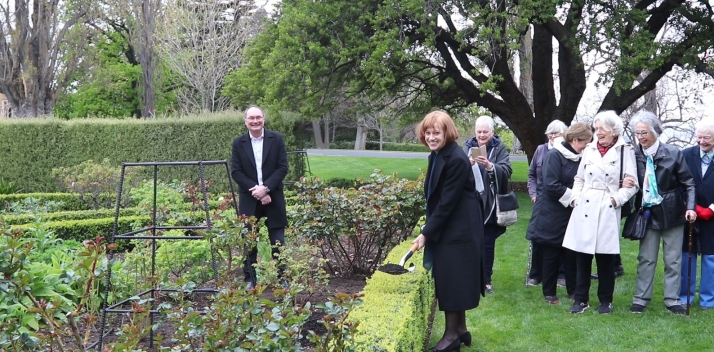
(317, 133)
(360, 137)
(36, 55)
(149, 10)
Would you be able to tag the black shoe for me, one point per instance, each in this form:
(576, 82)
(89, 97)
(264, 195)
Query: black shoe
(560, 282)
(552, 299)
(678, 309)
(465, 338)
(284, 284)
(489, 288)
(637, 309)
(532, 282)
(579, 308)
(453, 346)
(619, 271)
(605, 308)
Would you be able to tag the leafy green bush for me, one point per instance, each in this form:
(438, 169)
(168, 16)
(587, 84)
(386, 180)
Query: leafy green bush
(7, 187)
(90, 182)
(32, 206)
(81, 230)
(355, 241)
(189, 260)
(68, 200)
(42, 302)
(169, 198)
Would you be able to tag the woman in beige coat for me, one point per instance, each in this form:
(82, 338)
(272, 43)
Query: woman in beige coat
(594, 226)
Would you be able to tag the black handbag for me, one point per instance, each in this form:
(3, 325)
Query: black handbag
(637, 224)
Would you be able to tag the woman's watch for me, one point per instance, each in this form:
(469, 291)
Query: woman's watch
(267, 189)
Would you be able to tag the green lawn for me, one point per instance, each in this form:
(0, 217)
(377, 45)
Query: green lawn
(327, 167)
(516, 318)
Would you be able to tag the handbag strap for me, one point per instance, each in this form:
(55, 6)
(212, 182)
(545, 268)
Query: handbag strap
(622, 160)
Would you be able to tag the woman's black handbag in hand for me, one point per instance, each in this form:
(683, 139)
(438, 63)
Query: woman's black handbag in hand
(637, 224)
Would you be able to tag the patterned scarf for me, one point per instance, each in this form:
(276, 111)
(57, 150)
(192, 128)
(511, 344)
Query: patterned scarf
(603, 149)
(650, 194)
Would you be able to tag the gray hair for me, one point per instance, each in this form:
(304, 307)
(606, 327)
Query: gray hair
(649, 119)
(556, 126)
(705, 125)
(484, 121)
(612, 120)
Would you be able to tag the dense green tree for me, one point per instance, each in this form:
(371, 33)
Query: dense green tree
(109, 87)
(454, 54)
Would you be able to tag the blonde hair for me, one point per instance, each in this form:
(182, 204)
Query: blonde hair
(438, 120)
(580, 131)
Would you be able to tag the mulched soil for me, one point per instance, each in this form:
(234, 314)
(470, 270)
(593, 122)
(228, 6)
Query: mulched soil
(199, 301)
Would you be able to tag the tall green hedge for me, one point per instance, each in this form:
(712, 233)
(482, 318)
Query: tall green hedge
(30, 148)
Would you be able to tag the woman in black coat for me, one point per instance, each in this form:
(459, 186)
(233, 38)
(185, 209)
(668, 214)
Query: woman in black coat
(453, 233)
(559, 167)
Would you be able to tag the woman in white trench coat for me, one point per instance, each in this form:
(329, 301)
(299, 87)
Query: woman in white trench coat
(594, 225)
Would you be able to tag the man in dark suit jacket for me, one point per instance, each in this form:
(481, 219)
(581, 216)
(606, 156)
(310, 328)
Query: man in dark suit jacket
(698, 159)
(259, 163)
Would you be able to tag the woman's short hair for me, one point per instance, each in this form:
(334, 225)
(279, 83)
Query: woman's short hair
(610, 119)
(649, 119)
(580, 131)
(485, 121)
(556, 126)
(705, 125)
(439, 120)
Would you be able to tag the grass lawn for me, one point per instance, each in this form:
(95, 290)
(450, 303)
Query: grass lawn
(516, 318)
(327, 167)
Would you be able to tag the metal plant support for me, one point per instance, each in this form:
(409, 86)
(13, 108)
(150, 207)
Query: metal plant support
(141, 234)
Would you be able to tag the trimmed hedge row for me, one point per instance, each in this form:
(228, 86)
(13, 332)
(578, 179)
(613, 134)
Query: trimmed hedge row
(396, 308)
(31, 148)
(68, 215)
(80, 230)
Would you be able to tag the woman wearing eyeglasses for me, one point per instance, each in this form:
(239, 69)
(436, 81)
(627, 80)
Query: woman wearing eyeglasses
(667, 192)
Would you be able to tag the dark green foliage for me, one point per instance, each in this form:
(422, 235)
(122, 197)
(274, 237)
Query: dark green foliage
(80, 230)
(68, 215)
(30, 149)
(356, 228)
(70, 203)
(7, 187)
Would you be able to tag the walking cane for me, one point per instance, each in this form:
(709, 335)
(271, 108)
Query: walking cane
(528, 265)
(689, 267)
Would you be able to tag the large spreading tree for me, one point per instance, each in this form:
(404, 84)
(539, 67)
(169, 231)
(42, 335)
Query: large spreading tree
(455, 54)
(40, 48)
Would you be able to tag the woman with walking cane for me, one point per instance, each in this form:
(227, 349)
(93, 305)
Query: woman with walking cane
(699, 158)
(667, 193)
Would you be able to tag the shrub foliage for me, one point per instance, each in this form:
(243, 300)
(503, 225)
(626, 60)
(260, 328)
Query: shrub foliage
(356, 228)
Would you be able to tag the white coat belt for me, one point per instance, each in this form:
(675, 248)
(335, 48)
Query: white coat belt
(599, 185)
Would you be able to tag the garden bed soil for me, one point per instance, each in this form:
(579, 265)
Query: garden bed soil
(200, 300)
